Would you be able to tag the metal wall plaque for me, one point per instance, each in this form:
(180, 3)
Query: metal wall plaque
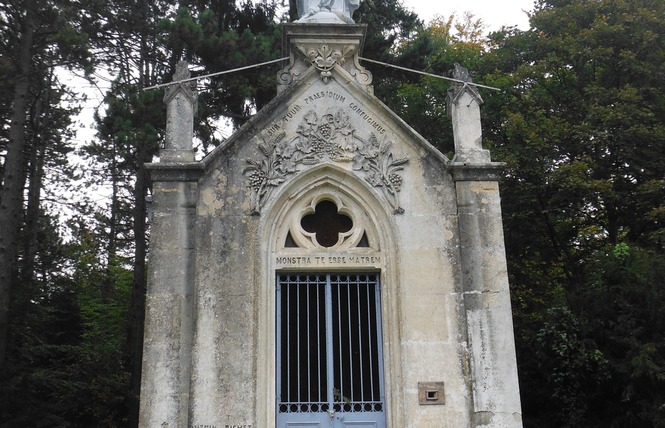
(431, 393)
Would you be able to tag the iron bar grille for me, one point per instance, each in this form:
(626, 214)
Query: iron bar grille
(329, 343)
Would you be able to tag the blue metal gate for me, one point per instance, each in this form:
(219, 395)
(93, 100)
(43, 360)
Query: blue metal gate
(329, 351)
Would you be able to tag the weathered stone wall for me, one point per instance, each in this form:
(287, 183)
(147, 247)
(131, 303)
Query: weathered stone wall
(169, 307)
(223, 371)
(432, 308)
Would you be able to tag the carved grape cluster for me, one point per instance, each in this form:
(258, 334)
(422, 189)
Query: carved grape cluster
(396, 181)
(324, 147)
(256, 179)
(326, 130)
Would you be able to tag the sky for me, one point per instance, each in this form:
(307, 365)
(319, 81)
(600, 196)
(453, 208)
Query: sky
(494, 13)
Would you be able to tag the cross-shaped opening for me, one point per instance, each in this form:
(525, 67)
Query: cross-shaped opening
(326, 223)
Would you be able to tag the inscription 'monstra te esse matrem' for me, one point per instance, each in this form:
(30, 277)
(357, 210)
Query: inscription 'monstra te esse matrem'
(332, 259)
(225, 426)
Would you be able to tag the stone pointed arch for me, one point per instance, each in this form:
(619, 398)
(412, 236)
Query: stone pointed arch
(331, 182)
(375, 219)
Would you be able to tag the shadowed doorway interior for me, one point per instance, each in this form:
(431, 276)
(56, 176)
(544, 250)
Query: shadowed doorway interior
(329, 350)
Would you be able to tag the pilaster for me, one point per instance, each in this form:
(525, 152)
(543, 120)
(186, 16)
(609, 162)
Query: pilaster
(169, 297)
(494, 381)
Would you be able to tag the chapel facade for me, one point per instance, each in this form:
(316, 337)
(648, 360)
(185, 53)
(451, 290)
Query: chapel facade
(326, 266)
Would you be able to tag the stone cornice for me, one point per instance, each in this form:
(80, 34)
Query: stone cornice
(185, 171)
(462, 171)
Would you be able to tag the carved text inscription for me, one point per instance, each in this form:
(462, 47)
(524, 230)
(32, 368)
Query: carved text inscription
(326, 260)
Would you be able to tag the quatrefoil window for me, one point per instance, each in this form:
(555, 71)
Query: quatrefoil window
(326, 223)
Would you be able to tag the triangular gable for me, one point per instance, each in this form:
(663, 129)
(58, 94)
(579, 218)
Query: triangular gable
(275, 110)
(324, 117)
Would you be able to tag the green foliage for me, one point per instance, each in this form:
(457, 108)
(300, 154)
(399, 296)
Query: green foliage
(220, 36)
(580, 126)
(573, 368)
(103, 301)
(389, 25)
(421, 101)
(65, 365)
(587, 104)
(623, 309)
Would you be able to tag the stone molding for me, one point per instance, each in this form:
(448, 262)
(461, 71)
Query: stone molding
(462, 171)
(189, 171)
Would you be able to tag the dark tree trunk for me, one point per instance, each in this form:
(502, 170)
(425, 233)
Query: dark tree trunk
(13, 180)
(137, 304)
(107, 286)
(36, 176)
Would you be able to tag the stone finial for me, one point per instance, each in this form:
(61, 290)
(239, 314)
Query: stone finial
(464, 78)
(188, 88)
(463, 105)
(326, 11)
(181, 71)
(181, 103)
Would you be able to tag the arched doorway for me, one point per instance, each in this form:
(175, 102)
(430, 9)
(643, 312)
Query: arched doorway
(329, 304)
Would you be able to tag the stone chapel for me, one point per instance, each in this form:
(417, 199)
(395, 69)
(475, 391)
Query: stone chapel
(326, 266)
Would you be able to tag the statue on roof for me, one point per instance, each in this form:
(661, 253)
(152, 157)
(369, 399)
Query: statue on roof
(327, 11)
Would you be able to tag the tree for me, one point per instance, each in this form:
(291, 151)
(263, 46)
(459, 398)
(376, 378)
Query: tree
(66, 367)
(421, 101)
(13, 179)
(131, 133)
(36, 39)
(218, 36)
(580, 125)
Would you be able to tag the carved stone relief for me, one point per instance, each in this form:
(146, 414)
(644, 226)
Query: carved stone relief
(320, 138)
(324, 57)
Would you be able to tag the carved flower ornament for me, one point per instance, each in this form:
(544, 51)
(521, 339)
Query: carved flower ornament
(324, 59)
(326, 138)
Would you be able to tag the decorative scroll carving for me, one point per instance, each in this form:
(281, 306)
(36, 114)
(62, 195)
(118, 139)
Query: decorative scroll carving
(285, 76)
(321, 52)
(362, 75)
(326, 138)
